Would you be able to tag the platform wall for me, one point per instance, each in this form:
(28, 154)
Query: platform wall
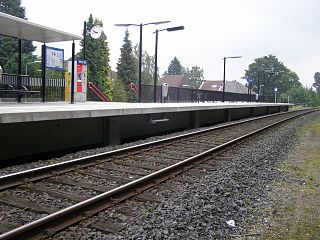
(19, 140)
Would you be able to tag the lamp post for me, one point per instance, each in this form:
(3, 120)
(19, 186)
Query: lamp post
(28, 63)
(224, 75)
(140, 46)
(275, 94)
(156, 58)
(269, 72)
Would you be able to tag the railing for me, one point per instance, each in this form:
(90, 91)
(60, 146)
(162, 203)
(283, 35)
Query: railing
(55, 88)
(176, 94)
(99, 94)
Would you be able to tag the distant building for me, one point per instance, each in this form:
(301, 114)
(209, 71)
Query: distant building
(231, 86)
(174, 80)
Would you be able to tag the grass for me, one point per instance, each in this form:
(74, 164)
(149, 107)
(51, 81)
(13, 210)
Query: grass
(295, 210)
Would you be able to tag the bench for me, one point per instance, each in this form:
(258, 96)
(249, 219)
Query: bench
(20, 92)
(8, 81)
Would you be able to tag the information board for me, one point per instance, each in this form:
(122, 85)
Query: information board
(54, 58)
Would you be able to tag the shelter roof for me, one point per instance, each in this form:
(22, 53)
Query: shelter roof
(23, 29)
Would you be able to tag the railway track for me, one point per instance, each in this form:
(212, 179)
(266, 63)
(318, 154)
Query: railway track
(39, 202)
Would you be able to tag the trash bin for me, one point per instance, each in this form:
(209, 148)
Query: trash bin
(164, 91)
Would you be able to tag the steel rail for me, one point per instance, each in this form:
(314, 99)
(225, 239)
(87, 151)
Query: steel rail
(66, 217)
(15, 179)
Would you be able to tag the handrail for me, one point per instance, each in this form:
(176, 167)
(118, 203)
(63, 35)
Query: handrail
(98, 93)
(133, 87)
(14, 75)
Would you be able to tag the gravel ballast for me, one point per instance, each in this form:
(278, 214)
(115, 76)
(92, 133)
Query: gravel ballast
(231, 194)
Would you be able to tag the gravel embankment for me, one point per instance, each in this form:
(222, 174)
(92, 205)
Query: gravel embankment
(233, 192)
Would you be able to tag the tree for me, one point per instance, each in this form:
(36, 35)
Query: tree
(175, 67)
(316, 83)
(148, 62)
(126, 67)
(98, 59)
(119, 93)
(194, 76)
(9, 46)
(271, 73)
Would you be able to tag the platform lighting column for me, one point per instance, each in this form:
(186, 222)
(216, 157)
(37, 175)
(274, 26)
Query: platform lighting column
(224, 76)
(140, 47)
(72, 73)
(156, 58)
(140, 65)
(84, 40)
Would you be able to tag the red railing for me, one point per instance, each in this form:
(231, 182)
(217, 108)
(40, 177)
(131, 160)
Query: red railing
(98, 93)
(133, 87)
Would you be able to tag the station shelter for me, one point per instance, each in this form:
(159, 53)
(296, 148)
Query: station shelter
(22, 29)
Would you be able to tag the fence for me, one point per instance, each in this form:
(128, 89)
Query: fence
(55, 88)
(176, 94)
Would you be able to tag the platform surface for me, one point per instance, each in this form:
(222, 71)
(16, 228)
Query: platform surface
(29, 112)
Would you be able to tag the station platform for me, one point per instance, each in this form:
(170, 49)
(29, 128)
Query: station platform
(39, 128)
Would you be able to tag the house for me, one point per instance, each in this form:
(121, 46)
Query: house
(174, 80)
(231, 86)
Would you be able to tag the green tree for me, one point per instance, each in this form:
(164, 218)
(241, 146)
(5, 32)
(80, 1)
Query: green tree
(194, 76)
(148, 62)
(316, 83)
(126, 67)
(9, 46)
(98, 58)
(119, 93)
(147, 68)
(175, 67)
(271, 73)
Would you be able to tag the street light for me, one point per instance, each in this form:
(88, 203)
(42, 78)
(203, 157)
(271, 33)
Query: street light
(140, 46)
(28, 63)
(275, 94)
(156, 58)
(224, 75)
(269, 72)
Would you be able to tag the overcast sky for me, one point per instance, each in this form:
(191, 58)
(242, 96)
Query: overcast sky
(213, 29)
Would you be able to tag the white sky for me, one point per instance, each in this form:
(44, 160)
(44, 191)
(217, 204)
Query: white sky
(213, 29)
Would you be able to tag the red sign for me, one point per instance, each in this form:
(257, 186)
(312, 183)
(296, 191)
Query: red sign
(79, 86)
(79, 68)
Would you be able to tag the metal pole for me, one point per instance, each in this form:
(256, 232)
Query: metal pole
(264, 87)
(84, 40)
(72, 72)
(224, 78)
(140, 63)
(248, 91)
(20, 58)
(43, 72)
(155, 69)
(258, 86)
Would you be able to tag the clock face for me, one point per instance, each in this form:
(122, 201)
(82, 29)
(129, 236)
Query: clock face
(96, 31)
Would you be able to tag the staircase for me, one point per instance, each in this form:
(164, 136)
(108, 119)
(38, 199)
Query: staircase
(95, 94)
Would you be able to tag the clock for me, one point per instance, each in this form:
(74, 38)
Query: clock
(96, 31)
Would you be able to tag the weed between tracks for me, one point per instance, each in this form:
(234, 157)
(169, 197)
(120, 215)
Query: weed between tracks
(294, 212)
